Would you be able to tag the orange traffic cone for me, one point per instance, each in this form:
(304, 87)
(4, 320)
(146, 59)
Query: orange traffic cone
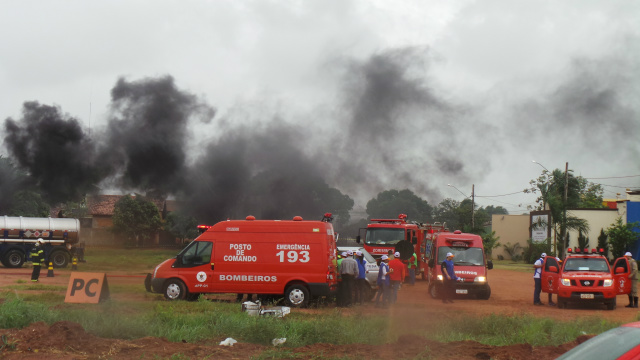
(50, 272)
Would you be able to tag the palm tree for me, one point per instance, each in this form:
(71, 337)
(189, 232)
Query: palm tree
(551, 186)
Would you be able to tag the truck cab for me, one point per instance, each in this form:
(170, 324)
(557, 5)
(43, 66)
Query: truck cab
(470, 264)
(586, 277)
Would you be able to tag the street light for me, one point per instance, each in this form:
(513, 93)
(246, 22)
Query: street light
(535, 162)
(472, 202)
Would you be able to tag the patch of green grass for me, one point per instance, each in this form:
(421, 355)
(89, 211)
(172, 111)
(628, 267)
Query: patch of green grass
(132, 261)
(512, 265)
(39, 287)
(500, 330)
(21, 281)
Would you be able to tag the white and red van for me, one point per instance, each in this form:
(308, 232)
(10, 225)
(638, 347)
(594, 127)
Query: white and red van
(293, 258)
(470, 264)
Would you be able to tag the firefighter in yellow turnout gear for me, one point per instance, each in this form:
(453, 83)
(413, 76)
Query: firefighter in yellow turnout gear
(37, 258)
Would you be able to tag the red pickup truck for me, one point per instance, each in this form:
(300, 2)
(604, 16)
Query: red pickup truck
(586, 277)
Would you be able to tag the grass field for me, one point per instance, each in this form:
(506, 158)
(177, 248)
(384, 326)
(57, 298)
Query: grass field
(204, 320)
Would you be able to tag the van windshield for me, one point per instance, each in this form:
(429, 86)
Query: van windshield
(587, 264)
(381, 236)
(462, 256)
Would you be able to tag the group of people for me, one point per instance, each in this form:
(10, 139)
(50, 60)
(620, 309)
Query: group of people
(352, 286)
(391, 274)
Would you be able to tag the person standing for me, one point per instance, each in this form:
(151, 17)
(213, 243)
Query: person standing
(383, 282)
(397, 275)
(349, 272)
(413, 266)
(448, 279)
(37, 258)
(537, 279)
(361, 282)
(633, 276)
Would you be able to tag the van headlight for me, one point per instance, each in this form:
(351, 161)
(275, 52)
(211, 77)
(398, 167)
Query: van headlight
(480, 279)
(607, 282)
(439, 277)
(565, 282)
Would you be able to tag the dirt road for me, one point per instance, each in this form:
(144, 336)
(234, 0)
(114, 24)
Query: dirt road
(512, 293)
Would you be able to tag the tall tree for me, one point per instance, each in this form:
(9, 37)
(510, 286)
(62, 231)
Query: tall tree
(136, 218)
(622, 236)
(181, 226)
(551, 187)
(391, 203)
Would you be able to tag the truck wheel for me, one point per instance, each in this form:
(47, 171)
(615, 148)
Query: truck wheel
(562, 304)
(296, 295)
(174, 289)
(485, 294)
(60, 259)
(611, 305)
(14, 258)
(434, 291)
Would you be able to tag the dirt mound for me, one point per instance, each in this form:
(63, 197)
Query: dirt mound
(68, 340)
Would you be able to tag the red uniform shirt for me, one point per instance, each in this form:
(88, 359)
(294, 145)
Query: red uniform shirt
(398, 270)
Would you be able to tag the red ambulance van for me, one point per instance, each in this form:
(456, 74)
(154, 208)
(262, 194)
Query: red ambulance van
(293, 258)
(470, 264)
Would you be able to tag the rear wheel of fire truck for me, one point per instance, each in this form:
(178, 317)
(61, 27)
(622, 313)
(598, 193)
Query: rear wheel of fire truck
(611, 305)
(174, 289)
(14, 258)
(59, 259)
(296, 296)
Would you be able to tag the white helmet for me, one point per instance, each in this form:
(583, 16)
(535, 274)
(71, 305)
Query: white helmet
(40, 241)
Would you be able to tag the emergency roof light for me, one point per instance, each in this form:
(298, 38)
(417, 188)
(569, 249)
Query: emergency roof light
(569, 250)
(402, 217)
(593, 251)
(601, 251)
(327, 217)
(250, 218)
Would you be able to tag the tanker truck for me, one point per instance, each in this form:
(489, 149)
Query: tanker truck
(19, 234)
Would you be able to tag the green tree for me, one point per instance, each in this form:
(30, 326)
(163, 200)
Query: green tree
(28, 203)
(583, 241)
(551, 187)
(490, 242)
(622, 237)
(603, 242)
(136, 218)
(448, 211)
(495, 210)
(391, 203)
(12, 180)
(181, 226)
(590, 194)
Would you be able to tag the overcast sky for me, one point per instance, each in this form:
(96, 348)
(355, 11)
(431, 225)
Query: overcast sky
(394, 94)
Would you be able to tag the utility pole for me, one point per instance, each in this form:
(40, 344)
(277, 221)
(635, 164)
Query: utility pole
(473, 207)
(564, 220)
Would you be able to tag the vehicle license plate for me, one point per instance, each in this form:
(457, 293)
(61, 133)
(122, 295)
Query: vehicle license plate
(461, 291)
(586, 296)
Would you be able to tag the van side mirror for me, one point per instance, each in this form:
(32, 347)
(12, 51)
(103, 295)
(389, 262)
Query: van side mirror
(358, 239)
(619, 270)
(489, 264)
(553, 269)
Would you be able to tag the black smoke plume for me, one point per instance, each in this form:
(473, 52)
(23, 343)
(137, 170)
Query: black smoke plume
(54, 150)
(147, 133)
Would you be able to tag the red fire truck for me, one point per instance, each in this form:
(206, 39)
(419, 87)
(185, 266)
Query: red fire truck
(401, 236)
(586, 277)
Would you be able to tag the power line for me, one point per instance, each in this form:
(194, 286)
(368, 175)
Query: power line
(513, 193)
(613, 177)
